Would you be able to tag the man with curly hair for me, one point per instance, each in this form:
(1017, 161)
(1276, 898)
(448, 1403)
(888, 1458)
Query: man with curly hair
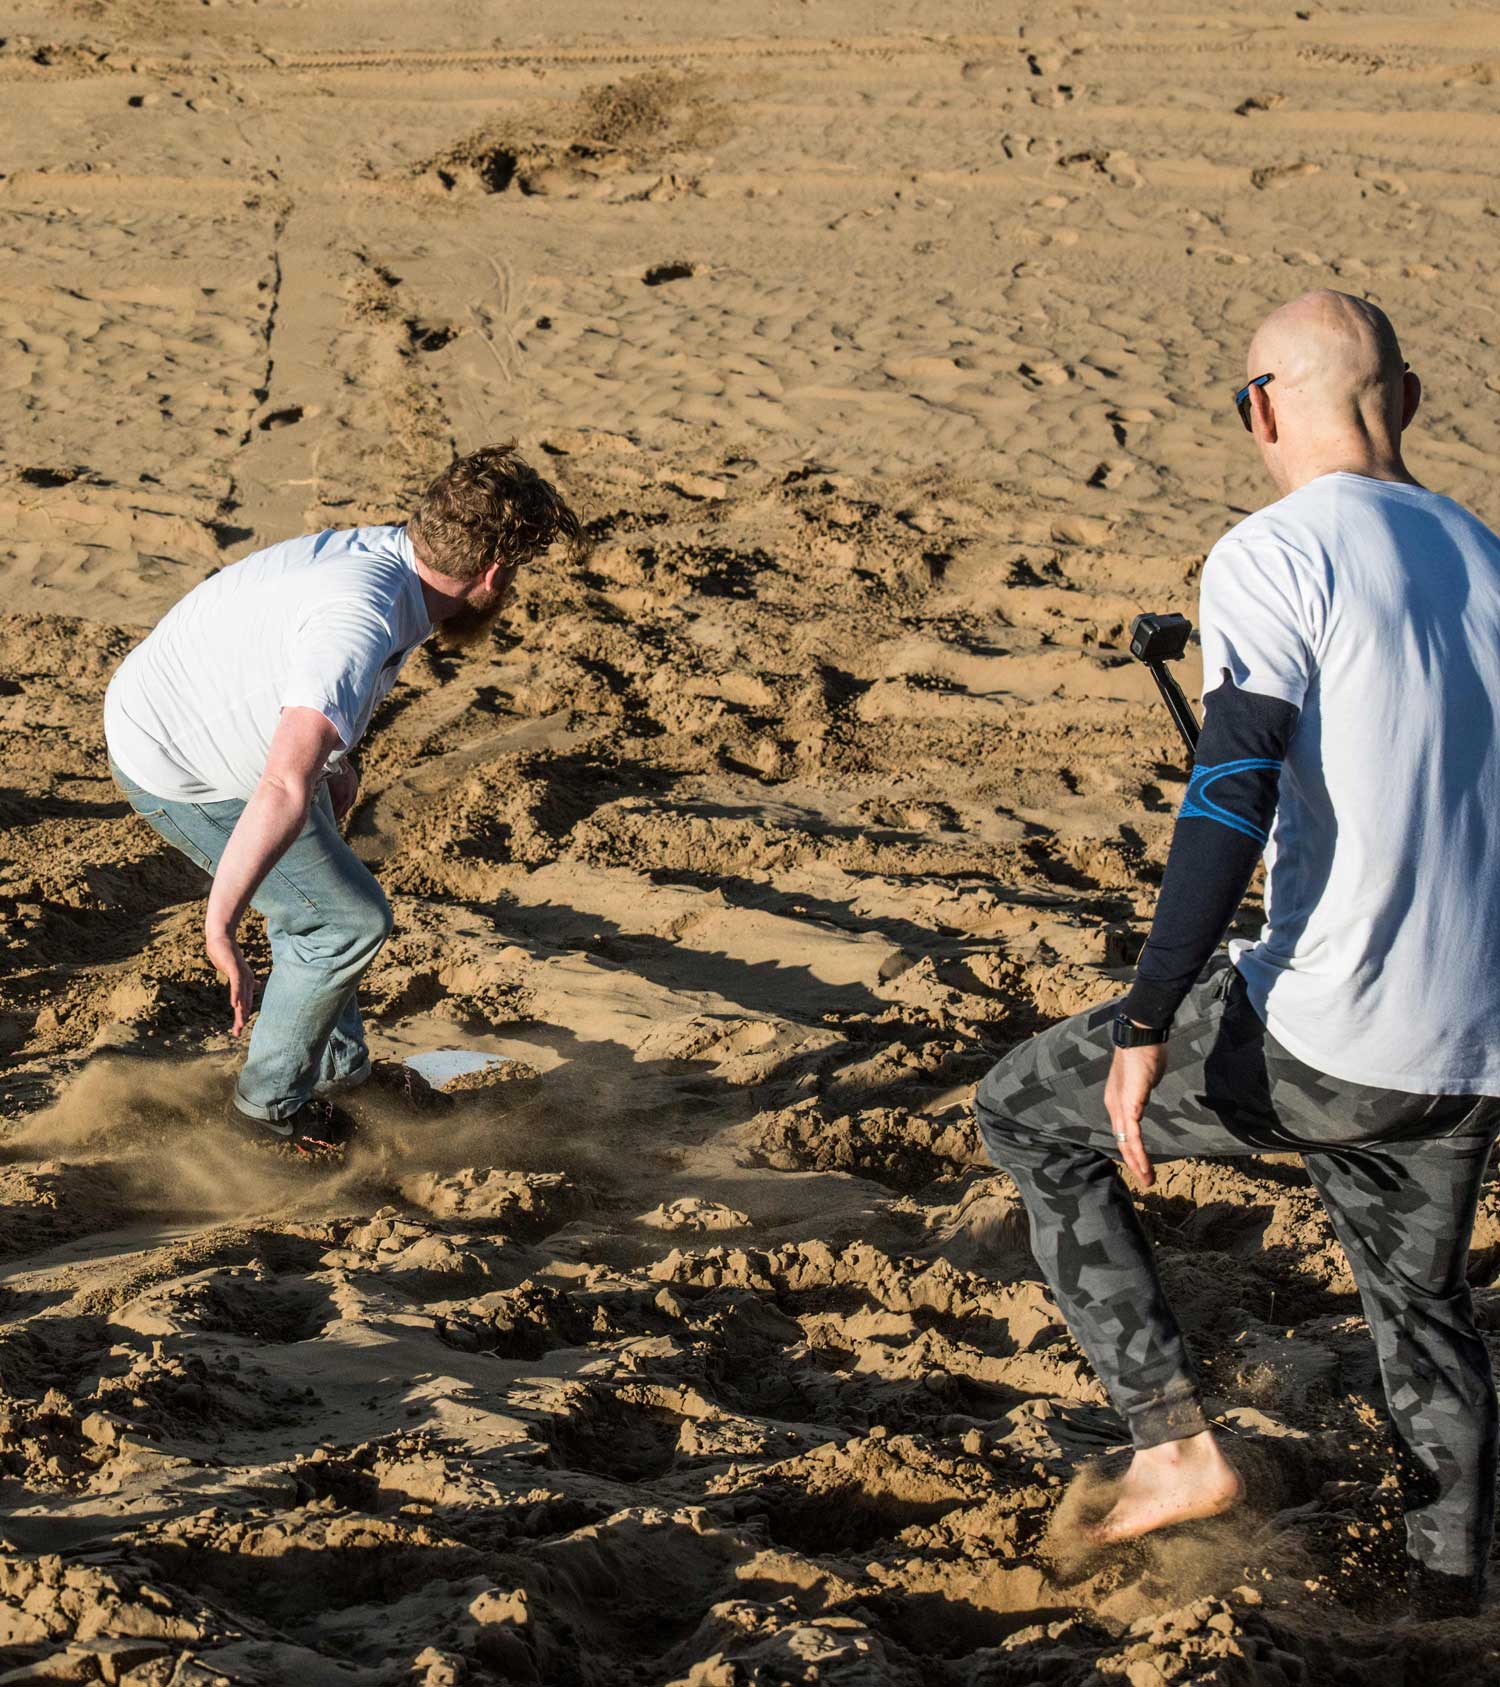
(230, 731)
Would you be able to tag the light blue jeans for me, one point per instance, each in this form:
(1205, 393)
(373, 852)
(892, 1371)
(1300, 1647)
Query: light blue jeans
(326, 918)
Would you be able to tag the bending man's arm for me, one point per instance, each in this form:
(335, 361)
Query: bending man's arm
(271, 820)
(1221, 830)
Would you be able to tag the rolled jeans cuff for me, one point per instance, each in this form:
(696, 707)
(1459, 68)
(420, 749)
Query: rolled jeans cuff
(349, 1081)
(1170, 1417)
(267, 1115)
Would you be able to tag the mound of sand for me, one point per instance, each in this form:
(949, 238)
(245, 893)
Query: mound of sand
(887, 357)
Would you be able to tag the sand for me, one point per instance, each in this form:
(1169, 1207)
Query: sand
(886, 350)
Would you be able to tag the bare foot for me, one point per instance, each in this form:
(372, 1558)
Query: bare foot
(1176, 1482)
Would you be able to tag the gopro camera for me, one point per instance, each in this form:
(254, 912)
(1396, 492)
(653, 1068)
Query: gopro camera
(1159, 638)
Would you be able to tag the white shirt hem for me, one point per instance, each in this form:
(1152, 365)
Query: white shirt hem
(1408, 1083)
(123, 763)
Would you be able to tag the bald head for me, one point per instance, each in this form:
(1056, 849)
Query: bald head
(1338, 395)
(1330, 350)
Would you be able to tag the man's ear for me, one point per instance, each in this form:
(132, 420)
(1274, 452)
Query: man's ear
(498, 576)
(1262, 416)
(1411, 397)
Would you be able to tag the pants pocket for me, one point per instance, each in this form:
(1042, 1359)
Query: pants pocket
(1482, 1118)
(170, 832)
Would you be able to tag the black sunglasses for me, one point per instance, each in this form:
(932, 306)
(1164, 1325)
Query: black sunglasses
(1242, 397)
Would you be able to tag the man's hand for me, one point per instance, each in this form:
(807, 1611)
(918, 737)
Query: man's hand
(230, 961)
(343, 789)
(1133, 1075)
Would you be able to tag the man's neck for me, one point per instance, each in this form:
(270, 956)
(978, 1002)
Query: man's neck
(1367, 465)
(442, 595)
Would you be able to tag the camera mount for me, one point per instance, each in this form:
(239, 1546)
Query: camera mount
(1157, 640)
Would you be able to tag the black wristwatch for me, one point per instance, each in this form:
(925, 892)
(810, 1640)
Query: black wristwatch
(1129, 1035)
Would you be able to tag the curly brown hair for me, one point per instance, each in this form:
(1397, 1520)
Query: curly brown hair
(489, 507)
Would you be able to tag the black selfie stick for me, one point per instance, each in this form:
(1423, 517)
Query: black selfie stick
(1157, 640)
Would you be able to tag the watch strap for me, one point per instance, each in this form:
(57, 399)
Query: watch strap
(1128, 1035)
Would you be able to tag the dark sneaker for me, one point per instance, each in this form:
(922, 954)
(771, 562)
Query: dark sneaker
(1439, 1598)
(317, 1131)
(403, 1084)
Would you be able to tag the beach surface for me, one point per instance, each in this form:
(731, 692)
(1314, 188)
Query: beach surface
(886, 351)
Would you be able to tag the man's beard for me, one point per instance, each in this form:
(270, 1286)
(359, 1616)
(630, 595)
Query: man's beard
(473, 623)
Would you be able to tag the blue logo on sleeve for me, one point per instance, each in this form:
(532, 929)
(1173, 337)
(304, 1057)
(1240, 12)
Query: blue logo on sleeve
(1198, 805)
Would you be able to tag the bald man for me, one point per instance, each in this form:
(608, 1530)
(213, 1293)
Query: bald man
(1351, 671)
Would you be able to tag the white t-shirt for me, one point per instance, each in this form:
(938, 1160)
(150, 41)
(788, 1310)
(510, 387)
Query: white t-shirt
(1374, 608)
(323, 622)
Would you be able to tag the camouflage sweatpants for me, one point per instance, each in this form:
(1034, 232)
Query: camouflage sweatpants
(1399, 1174)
